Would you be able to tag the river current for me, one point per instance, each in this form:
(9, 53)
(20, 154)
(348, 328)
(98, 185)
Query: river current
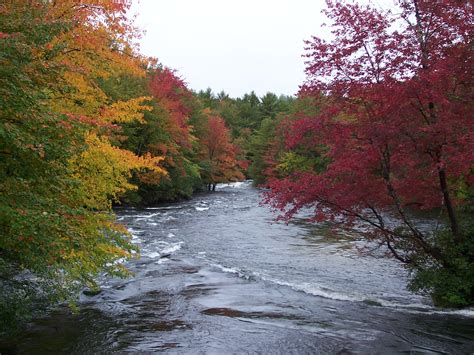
(218, 275)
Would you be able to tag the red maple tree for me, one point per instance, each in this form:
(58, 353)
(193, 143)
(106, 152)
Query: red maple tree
(396, 117)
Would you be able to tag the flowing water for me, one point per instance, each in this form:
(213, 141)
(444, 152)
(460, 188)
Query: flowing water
(218, 275)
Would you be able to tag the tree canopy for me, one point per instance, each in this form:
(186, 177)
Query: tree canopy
(85, 122)
(393, 134)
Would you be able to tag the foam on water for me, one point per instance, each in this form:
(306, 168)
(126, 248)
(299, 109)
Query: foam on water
(135, 238)
(164, 208)
(318, 291)
(142, 217)
(234, 185)
(161, 249)
(227, 269)
(463, 312)
(172, 248)
(134, 232)
(468, 313)
(236, 271)
(152, 254)
(376, 301)
(324, 292)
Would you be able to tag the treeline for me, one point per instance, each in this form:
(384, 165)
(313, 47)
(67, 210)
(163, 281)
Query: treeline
(215, 138)
(87, 122)
(382, 127)
(63, 116)
(252, 121)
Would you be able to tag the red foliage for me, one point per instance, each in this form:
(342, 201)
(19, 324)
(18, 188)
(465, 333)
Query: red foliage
(396, 114)
(173, 96)
(219, 152)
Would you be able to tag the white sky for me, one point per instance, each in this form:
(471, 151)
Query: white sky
(231, 45)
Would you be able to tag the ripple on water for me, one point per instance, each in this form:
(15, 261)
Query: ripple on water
(161, 249)
(236, 282)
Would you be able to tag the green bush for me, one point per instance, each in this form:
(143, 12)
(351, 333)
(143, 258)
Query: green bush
(450, 284)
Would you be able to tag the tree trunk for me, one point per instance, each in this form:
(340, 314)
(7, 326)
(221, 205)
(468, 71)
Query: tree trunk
(449, 206)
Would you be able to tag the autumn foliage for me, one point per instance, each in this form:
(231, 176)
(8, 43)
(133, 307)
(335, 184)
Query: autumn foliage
(84, 120)
(382, 127)
(174, 99)
(218, 154)
(395, 133)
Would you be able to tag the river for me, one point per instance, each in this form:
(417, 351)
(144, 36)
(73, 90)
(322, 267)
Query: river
(218, 275)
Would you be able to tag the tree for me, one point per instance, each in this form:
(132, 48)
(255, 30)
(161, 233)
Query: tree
(261, 144)
(207, 98)
(269, 105)
(395, 128)
(58, 169)
(167, 131)
(249, 115)
(218, 163)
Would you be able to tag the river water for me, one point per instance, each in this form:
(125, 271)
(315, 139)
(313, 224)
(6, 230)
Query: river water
(217, 275)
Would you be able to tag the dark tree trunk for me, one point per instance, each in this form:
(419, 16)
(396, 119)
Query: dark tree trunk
(449, 206)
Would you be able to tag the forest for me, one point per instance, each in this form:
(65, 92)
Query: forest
(381, 129)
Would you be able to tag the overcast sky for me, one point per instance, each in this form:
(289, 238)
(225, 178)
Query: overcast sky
(231, 45)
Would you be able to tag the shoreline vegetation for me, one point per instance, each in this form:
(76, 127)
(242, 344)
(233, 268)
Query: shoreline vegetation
(87, 122)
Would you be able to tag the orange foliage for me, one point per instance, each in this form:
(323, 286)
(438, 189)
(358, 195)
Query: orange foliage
(218, 153)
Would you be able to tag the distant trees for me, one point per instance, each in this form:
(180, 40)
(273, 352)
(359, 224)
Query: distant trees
(393, 134)
(167, 132)
(259, 148)
(270, 105)
(218, 155)
(252, 122)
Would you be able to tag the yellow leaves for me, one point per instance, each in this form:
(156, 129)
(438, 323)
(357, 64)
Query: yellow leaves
(83, 98)
(98, 44)
(126, 111)
(104, 170)
(113, 250)
(54, 60)
(89, 100)
(345, 117)
(120, 228)
(289, 162)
